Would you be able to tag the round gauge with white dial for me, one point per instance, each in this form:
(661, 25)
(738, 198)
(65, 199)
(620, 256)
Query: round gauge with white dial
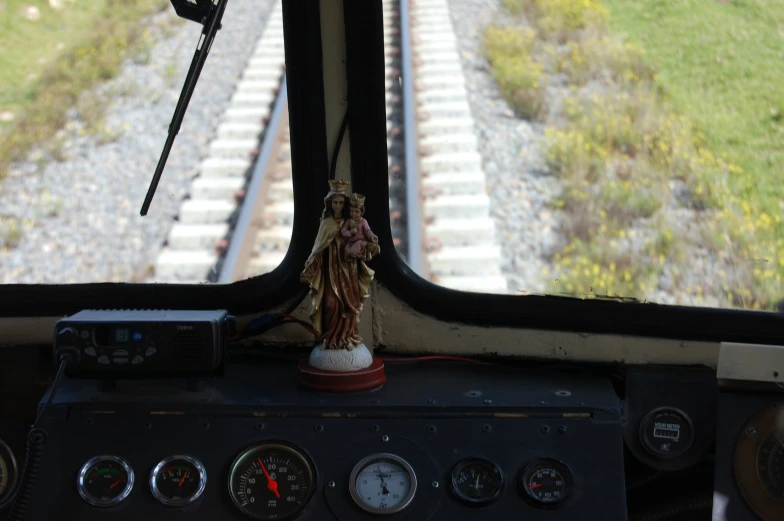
(383, 484)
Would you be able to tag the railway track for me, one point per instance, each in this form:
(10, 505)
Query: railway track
(237, 222)
(238, 219)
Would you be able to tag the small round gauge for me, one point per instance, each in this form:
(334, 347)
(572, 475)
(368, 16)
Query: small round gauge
(272, 481)
(382, 484)
(105, 481)
(178, 480)
(477, 481)
(667, 432)
(547, 482)
(7, 474)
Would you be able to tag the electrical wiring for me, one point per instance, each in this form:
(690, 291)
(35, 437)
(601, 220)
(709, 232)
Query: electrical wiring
(434, 358)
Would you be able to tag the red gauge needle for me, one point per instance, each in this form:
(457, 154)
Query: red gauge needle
(271, 483)
(182, 479)
(536, 486)
(115, 483)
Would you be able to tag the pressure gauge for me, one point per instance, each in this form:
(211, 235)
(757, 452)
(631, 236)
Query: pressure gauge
(477, 481)
(105, 481)
(178, 480)
(382, 484)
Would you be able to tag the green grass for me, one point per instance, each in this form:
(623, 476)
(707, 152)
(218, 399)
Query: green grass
(46, 63)
(722, 63)
(686, 96)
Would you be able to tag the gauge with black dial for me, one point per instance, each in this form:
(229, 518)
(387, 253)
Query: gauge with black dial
(547, 482)
(477, 481)
(667, 432)
(105, 481)
(382, 484)
(178, 480)
(7, 474)
(272, 481)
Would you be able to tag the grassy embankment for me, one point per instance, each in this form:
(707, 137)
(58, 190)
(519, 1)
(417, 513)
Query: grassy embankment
(671, 158)
(47, 62)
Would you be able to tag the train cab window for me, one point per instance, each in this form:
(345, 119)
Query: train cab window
(85, 115)
(594, 149)
(288, 260)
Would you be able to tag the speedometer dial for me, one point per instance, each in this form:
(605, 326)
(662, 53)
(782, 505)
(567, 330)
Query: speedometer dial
(272, 481)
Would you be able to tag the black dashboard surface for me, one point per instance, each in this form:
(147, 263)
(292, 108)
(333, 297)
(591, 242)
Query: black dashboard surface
(432, 415)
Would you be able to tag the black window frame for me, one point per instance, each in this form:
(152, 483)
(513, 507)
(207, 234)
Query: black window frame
(367, 123)
(305, 84)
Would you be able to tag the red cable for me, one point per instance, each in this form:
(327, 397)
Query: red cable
(435, 357)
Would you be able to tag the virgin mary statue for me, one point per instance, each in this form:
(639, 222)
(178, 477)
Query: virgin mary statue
(339, 284)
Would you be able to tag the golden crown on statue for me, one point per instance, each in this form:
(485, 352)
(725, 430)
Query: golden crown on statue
(338, 185)
(357, 200)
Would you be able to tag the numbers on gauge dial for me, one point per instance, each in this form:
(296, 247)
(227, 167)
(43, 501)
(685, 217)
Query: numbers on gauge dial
(271, 482)
(178, 480)
(383, 484)
(547, 482)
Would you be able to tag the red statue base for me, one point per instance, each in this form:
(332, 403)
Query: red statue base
(366, 379)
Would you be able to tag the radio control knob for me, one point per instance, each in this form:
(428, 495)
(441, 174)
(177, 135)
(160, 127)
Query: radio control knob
(67, 336)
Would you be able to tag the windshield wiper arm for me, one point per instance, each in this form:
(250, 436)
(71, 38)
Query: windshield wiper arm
(211, 20)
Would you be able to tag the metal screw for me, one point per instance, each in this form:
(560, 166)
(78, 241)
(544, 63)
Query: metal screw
(331, 484)
(318, 428)
(487, 402)
(374, 428)
(434, 484)
(148, 425)
(204, 425)
(544, 429)
(258, 427)
(431, 401)
(543, 402)
(487, 427)
(751, 431)
(385, 438)
(562, 429)
(431, 429)
(563, 393)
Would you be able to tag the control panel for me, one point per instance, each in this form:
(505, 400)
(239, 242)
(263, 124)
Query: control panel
(436, 442)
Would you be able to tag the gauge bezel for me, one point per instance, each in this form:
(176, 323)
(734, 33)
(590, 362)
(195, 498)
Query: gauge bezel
(156, 492)
(13, 472)
(542, 462)
(652, 450)
(296, 451)
(748, 444)
(115, 500)
(366, 462)
(473, 501)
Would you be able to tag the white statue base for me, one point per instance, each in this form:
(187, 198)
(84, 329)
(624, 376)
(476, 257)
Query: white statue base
(341, 360)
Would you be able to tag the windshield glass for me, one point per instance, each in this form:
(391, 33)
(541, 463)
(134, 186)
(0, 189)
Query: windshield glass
(87, 93)
(591, 148)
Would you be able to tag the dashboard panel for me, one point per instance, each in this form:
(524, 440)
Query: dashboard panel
(438, 441)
